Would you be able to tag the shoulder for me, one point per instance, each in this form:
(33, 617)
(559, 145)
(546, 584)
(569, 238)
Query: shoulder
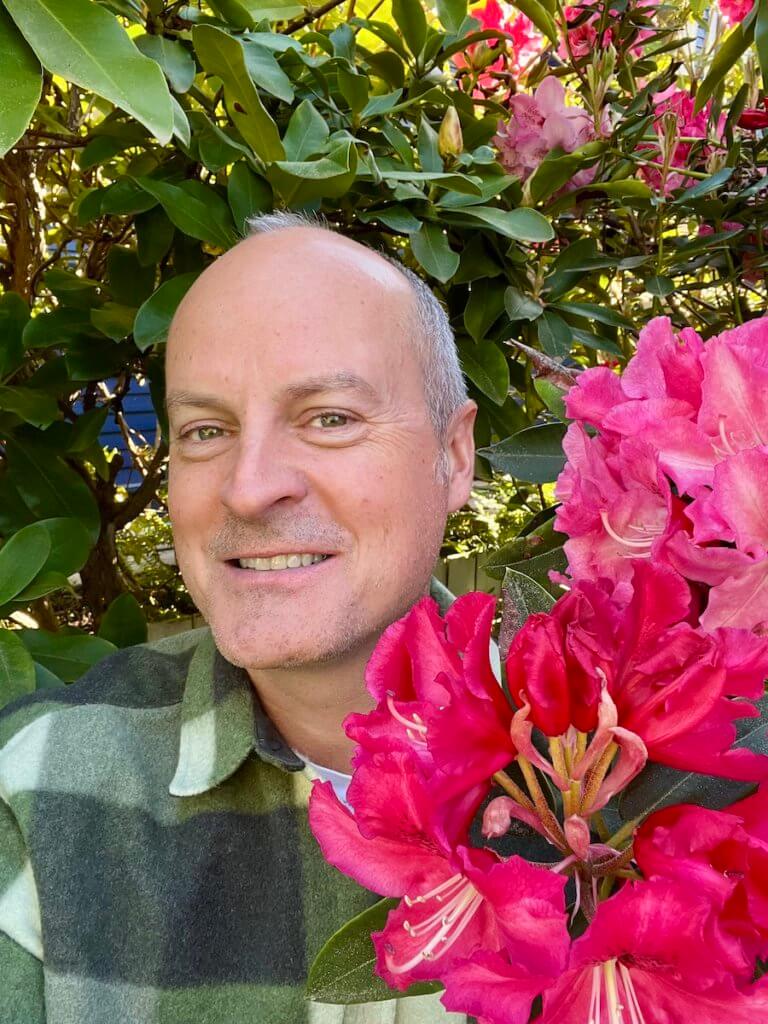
(150, 676)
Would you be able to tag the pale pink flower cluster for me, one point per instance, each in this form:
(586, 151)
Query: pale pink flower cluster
(678, 470)
(538, 124)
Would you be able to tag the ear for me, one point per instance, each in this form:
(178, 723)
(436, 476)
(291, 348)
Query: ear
(460, 449)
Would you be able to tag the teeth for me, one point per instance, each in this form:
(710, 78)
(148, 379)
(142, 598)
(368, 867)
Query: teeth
(281, 561)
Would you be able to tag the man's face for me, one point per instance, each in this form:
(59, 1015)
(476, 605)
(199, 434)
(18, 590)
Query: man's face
(299, 428)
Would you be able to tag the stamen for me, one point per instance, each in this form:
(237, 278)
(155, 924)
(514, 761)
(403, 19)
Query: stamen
(438, 893)
(411, 724)
(640, 544)
(636, 1015)
(729, 450)
(450, 921)
(594, 999)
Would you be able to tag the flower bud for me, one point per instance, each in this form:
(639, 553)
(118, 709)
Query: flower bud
(450, 141)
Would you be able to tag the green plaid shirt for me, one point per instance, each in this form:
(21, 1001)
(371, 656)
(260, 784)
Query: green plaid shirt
(156, 866)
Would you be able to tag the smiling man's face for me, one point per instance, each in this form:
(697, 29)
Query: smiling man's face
(299, 428)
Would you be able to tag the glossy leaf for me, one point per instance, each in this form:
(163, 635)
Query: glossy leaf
(412, 22)
(21, 559)
(154, 317)
(173, 57)
(247, 194)
(194, 208)
(70, 545)
(266, 72)
(554, 334)
(523, 597)
(452, 14)
(17, 669)
(31, 405)
(22, 81)
(520, 306)
(85, 44)
(306, 133)
(124, 623)
(431, 248)
(300, 182)
(523, 225)
(487, 368)
(67, 655)
(343, 971)
(534, 454)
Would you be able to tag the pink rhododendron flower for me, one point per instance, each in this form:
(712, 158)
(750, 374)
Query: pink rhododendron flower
(456, 899)
(582, 40)
(538, 124)
(653, 954)
(687, 124)
(642, 678)
(735, 10)
(514, 54)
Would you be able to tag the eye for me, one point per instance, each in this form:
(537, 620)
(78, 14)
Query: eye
(332, 419)
(202, 434)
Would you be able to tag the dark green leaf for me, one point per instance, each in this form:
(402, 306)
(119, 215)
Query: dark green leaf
(555, 335)
(45, 583)
(87, 45)
(30, 405)
(534, 454)
(431, 248)
(70, 545)
(21, 559)
(484, 307)
(343, 971)
(124, 623)
(17, 670)
(487, 368)
(300, 182)
(114, 320)
(266, 72)
(247, 194)
(154, 317)
(523, 597)
(22, 81)
(354, 88)
(14, 315)
(659, 286)
(523, 225)
(172, 56)
(429, 154)
(590, 311)
(67, 655)
(399, 218)
(520, 306)
(154, 234)
(195, 209)
(551, 395)
(412, 22)
(306, 133)
(452, 14)
(703, 188)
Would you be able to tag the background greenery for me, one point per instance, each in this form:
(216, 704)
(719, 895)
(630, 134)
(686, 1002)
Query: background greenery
(137, 137)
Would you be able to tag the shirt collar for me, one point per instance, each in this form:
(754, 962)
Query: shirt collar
(222, 721)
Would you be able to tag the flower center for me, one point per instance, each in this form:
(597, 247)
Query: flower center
(458, 902)
(415, 728)
(641, 543)
(613, 999)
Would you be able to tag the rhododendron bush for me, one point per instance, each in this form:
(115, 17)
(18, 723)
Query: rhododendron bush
(562, 796)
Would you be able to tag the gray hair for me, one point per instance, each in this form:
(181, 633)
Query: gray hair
(444, 387)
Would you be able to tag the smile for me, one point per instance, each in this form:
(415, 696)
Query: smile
(288, 561)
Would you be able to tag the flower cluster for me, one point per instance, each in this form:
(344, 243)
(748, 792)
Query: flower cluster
(661, 922)
(677, 472)
(509, 55)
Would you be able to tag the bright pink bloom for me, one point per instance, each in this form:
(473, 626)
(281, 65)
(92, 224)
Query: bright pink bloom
(689, 124)
(538, 124)
(582, 36)
(735, 10)
(515, 53)
(666, 687)
(652, 955)
(715, 853)
(456, 899)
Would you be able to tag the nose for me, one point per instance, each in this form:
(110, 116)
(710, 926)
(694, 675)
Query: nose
(262, 475)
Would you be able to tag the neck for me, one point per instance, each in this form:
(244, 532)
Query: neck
(309, 704)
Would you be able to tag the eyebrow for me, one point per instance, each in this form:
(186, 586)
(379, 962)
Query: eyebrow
(342, 380)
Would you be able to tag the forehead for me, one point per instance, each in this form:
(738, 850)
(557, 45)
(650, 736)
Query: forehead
(293, 307)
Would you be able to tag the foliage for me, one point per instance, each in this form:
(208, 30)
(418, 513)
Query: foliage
(139, 136)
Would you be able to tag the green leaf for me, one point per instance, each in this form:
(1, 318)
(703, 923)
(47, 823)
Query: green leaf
(412, 22)
(431, 248)
(703, 188)
(551, 395)
(306, 133)
(21, 559)
(44, 679)
(114, 320)
(555, 335)
(223, 55)
(621, 188)
(49, 487)
(31, 405)
(457, 182)
(727, 52)
(266, 72)
(427, 145)
(452, 14)
(22, 82)
(520, 306)
(590, 311)
(354, 88)
(173, 57)
(154, 317)
(658, 786)
(378, 105)
(45, 583)
(195, 208)
(484, 306)
(659, 286)
(273, 10)
(181, 127)
(487, 368)
(154, 234)
(523, 597)
(14, 316)
(534, 454)
(397, 217)
(523, 225)
(342, 972)
(85, 44)
(247, 194)
(70, 545)
(17, 670)
(129, 282)
(300, 182)
(67, 655)
(124, 623)
(538, 567)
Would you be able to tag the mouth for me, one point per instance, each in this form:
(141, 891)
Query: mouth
(289, 562)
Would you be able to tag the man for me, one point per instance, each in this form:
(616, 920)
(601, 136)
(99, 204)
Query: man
(155, 861)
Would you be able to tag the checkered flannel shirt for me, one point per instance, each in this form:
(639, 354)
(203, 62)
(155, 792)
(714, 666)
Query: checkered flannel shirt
(156, 866)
